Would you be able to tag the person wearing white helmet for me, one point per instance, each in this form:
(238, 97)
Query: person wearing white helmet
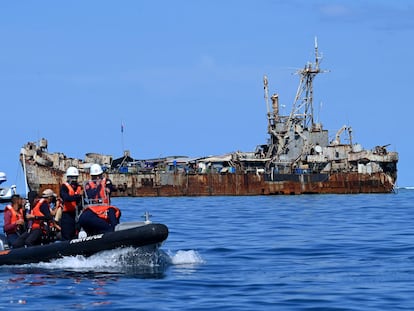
(95, 170)
(71, 194)
(99, 188)
(99, 216)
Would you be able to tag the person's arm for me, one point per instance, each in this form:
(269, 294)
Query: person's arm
(113, 221)
(64, 193)
(109, 186)
(44, 208)
(66, 197)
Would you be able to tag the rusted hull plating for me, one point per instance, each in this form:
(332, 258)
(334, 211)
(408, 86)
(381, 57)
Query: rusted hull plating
(251, 184)
(225, 184)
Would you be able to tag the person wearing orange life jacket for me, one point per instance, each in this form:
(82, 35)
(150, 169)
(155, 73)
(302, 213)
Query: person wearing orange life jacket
(96, 219)
(99, 188)
(14, 219)
(71, 194)
(42, 214)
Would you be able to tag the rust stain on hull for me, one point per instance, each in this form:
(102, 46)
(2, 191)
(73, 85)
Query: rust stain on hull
(244, 185)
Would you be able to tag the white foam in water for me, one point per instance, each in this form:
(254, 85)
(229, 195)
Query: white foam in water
(114, 260)
(106, 260)
(189, 257)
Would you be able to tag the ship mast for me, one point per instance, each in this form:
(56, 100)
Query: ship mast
(300, 120)
(303, 104)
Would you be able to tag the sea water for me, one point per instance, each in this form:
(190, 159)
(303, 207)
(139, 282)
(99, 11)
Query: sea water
(307, 252)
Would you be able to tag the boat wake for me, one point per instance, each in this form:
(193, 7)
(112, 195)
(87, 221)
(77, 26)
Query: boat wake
(185, 262)
(406, 188)
(123, 260)
(189, 257)
(128, 260)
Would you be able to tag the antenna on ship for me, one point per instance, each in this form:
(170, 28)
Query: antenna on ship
(317, 57)
(266, 96)
(122, 136)
(266, 93)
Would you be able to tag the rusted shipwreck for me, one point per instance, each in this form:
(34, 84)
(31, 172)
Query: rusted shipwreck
(299, 158)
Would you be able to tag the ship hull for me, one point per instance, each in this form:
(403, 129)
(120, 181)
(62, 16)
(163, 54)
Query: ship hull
(215, 184)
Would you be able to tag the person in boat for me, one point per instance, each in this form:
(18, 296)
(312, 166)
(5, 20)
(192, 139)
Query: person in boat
(15, 219)
(43, 221)
(99, 218)
(32, 198)
(99, 188)
(71, 194)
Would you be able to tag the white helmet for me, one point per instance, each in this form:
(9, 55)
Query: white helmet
(72, 171)
(96, 169)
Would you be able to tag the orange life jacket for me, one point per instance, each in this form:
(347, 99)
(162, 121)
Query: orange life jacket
(71, 206)
(37, 213)
(102, 193)
(15, 215)
(102, 211)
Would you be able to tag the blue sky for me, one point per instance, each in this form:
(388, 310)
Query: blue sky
(185, 77)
